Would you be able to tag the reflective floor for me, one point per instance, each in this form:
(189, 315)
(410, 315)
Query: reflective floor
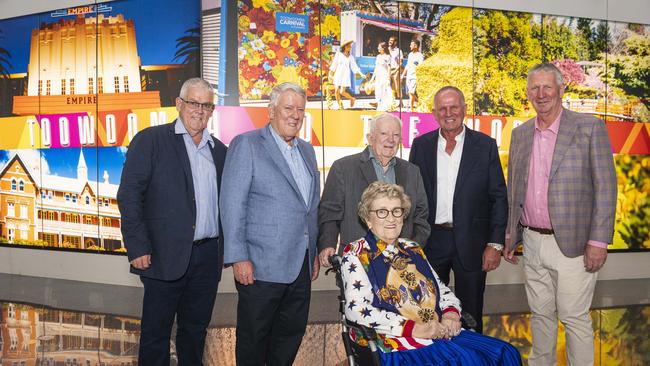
(42, 334)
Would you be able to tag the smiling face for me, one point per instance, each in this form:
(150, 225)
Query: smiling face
(389, 228)
(545, 94)
(449, 110)
(195, 119)
(384, 139)
(286, 117)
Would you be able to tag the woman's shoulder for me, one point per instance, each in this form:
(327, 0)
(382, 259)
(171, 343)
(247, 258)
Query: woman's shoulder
(355, 247)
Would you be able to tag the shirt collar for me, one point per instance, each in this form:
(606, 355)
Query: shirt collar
(179, 129)
(459, 138)
(554, 127)
(372, 156)
(283, 145)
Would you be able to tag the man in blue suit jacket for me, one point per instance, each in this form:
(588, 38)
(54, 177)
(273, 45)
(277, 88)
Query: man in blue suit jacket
(168, 198)
(269, 205)
(468, 205)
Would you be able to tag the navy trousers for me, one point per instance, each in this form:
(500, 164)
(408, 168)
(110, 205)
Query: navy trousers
(190, 299)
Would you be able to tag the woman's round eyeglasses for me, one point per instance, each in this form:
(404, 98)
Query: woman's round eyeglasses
(382, 213)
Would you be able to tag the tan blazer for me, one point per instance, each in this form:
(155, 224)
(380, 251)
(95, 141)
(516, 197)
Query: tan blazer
(582, 187)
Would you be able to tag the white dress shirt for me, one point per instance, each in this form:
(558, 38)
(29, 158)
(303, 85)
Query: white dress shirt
(447, 172)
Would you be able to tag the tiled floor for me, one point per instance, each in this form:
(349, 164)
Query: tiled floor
(54, 322)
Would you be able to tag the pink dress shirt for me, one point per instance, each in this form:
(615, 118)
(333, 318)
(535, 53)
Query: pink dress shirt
(535, 211)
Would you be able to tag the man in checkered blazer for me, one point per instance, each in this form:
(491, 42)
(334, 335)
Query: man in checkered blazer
(562, 203)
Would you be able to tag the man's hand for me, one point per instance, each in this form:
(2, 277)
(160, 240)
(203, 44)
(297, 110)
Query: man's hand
(594, 258)
(142, 263)
(451, 321)
(244, 272)
(324, 257)
(510, 257)
(315, 269)
(491, 258)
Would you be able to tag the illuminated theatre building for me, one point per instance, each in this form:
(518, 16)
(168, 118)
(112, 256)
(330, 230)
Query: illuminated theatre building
(88, 64)
(63, 212)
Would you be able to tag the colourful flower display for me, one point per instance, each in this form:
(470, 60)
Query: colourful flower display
(268, 57)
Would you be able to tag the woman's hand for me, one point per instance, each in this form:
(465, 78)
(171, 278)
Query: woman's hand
(451, 321)
(431, 330)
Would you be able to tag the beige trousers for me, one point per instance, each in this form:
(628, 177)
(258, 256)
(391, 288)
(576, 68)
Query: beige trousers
(557, 287)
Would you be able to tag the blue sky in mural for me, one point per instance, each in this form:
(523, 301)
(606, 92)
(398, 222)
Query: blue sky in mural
(63, 162)
(158, 23)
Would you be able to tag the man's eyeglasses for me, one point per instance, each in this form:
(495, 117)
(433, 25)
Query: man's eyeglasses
(197, 105)
(382, 213)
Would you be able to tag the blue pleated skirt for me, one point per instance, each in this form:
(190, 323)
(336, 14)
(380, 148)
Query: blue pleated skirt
(466, 349)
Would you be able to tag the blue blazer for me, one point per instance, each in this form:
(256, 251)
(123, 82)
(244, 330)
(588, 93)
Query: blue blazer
(265, 218)
(480, 203)
(156, 201)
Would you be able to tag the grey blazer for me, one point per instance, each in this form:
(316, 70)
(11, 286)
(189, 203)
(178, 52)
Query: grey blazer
(265, 219)
(347, 179)
(582, 187)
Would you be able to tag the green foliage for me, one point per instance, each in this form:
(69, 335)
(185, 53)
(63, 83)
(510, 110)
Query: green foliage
(630, 70)
(559, 43)
(450, 62)
(506, 45)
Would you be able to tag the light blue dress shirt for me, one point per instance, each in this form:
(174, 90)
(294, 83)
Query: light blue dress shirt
(204, 177)
(296, 163)
(387, 176)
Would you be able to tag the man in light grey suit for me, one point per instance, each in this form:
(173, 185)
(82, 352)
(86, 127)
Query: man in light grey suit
(269, 204)
(351, 175)
(562, 200)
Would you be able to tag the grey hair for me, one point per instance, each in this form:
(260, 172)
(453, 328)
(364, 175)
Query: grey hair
(379, 117)
(448, 88)
(281, 88)
(379, 189)
(546, 67)
(195, 83)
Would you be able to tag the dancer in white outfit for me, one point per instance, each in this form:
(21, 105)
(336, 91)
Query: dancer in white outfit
(342, 66)
(381, 78)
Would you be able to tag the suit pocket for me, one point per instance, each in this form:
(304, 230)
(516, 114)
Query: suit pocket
(256, 231)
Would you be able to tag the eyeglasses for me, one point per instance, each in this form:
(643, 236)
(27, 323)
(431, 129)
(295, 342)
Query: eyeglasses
(382, 213)
(197, 105)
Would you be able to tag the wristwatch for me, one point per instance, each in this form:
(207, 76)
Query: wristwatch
(498, 247)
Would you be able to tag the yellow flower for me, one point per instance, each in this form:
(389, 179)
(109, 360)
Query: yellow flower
(331, 25)
(264, 4)
(254, 59)
(285, 43)
(244, 22)
(270, 54)
(268, 36)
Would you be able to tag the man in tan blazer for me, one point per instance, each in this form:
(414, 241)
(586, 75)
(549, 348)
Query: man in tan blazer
(562, 203)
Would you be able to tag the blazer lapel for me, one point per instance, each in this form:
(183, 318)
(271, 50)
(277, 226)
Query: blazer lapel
(564, 138)
(367, 170)
(218, 165)
(181, 152)
(278, 159)
(467, 159)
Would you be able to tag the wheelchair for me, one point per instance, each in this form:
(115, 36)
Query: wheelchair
(355, 353)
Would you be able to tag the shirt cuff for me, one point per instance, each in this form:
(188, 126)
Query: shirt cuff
(498, 247)
(407, 330)
(597, 244)
(451, 309)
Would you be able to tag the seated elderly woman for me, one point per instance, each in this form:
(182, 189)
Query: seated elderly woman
(390, 287)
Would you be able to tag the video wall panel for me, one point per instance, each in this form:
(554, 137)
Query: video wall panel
(77, 84)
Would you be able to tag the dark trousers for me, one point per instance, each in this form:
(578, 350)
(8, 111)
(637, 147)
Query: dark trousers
(190, 299)
(469, 285)
(271, 320)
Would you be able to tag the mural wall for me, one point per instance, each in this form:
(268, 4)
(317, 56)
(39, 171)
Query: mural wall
(77, 84)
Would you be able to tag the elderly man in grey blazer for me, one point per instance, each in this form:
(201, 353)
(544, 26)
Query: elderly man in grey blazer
(562, 200)
(269, 205)
(349, 176)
